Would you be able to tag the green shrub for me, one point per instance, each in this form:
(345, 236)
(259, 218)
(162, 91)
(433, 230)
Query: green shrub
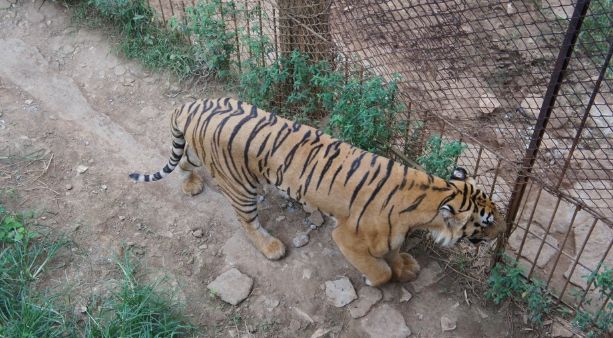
(12, 228)
(439, 157)
(599, 323)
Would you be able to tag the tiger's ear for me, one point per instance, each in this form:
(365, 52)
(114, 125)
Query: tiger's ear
(460, 174)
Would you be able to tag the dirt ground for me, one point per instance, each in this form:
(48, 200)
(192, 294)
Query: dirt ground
(67, 100)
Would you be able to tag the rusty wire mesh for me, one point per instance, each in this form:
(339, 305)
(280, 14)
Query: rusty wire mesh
(526, 85)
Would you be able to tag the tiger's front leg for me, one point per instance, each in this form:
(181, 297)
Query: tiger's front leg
(404, 267)
(358, 253)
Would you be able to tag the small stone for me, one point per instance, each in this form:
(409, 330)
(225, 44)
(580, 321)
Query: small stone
(91, 161)
(294, 325)
(420, 316)
(367, 298)
(511, 9)
(231, 286)
(68, 186)
(448, 324)
(29, 102)
(306, 274)
(430, 274)
(558, 330)
(203, 247)
(119, 70)
(80, 309)
(104, 187)
(121, 218)
(300, 240)
(385, 321)
(316, 218)
(197, 233)
(81, 169)
(280, 218)
(340, 292)
(260, 198)
(271, 304)
(405, 295)
(5, 4)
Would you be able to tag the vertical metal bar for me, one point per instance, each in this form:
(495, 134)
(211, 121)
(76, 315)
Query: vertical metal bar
(495, 178)
(570, 229)
(555, 82)
(238, 46)
(162, 10)
(478, 160)
(172, 10)
(529, 223)
(247, 22)
(578, 256)
(538, 252)
(274, 29)
(595, 91)
(261, 33)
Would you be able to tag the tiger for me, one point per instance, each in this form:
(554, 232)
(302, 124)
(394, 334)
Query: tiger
(375, 201)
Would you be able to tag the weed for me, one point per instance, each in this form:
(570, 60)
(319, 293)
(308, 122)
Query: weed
(506, 281)
(599, 323)
(23, 311)
(439, 157)
(12, 228)
(596, 31)
(135, 310)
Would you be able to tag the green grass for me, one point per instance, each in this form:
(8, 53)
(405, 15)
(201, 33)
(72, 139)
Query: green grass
(135, 309)
(439, 157)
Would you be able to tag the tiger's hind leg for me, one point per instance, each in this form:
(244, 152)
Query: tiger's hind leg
(244, 203)
(357, 252)
(192, 184)
(404, 267)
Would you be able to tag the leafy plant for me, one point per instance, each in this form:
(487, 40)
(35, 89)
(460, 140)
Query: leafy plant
(439, 157)
(363, 114)
(599, 323)
(12, 228)
(506, 281)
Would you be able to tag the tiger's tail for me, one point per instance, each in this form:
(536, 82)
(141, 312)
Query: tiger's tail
(178, 147)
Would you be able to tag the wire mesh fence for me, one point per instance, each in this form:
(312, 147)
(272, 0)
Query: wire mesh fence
(525, 85)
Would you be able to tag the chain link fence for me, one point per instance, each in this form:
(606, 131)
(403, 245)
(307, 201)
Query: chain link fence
(525, 85)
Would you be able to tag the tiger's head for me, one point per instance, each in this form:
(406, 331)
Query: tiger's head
(471, 215)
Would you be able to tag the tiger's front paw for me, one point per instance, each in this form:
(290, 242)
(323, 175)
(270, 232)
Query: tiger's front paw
(193, 185)
(274, 249)
(405, 268)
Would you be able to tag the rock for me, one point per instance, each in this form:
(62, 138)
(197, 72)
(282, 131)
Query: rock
(231, 286)
(602, 115)
(405, 295)
(260, 198)
(104, 187)
(510, 9)
(545, 207)
(121, 218)
(82, 169)
(28, 102)
(558, 330)
(531, 105)
(300, 240)
(68, 186)
(367, 297)
(197, 233)
(294, 325)
(448, 324)
(532, 244)
(340, 292)
(430, 274)
(271, 303)
(385, 321)
(316, 218)
(488, 103)
(280, 218)
(594, 250)
(5, 4)
(307, 273)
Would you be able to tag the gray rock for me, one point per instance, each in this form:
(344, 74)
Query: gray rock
(558, 330)
(532, 244)
(488, 103)
(405, 295)
(448, 324)
(197, 233)
(430, 274)
(593, 252)
(82, 169)
(5, 4)
(385, 321)
(68, 186)
(316, 218)
(119, 70)
(300, 240)
(340, 292)
(231, 286)
(367, 298)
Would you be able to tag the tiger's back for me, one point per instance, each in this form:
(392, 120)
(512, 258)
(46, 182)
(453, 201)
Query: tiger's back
(375, 200)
